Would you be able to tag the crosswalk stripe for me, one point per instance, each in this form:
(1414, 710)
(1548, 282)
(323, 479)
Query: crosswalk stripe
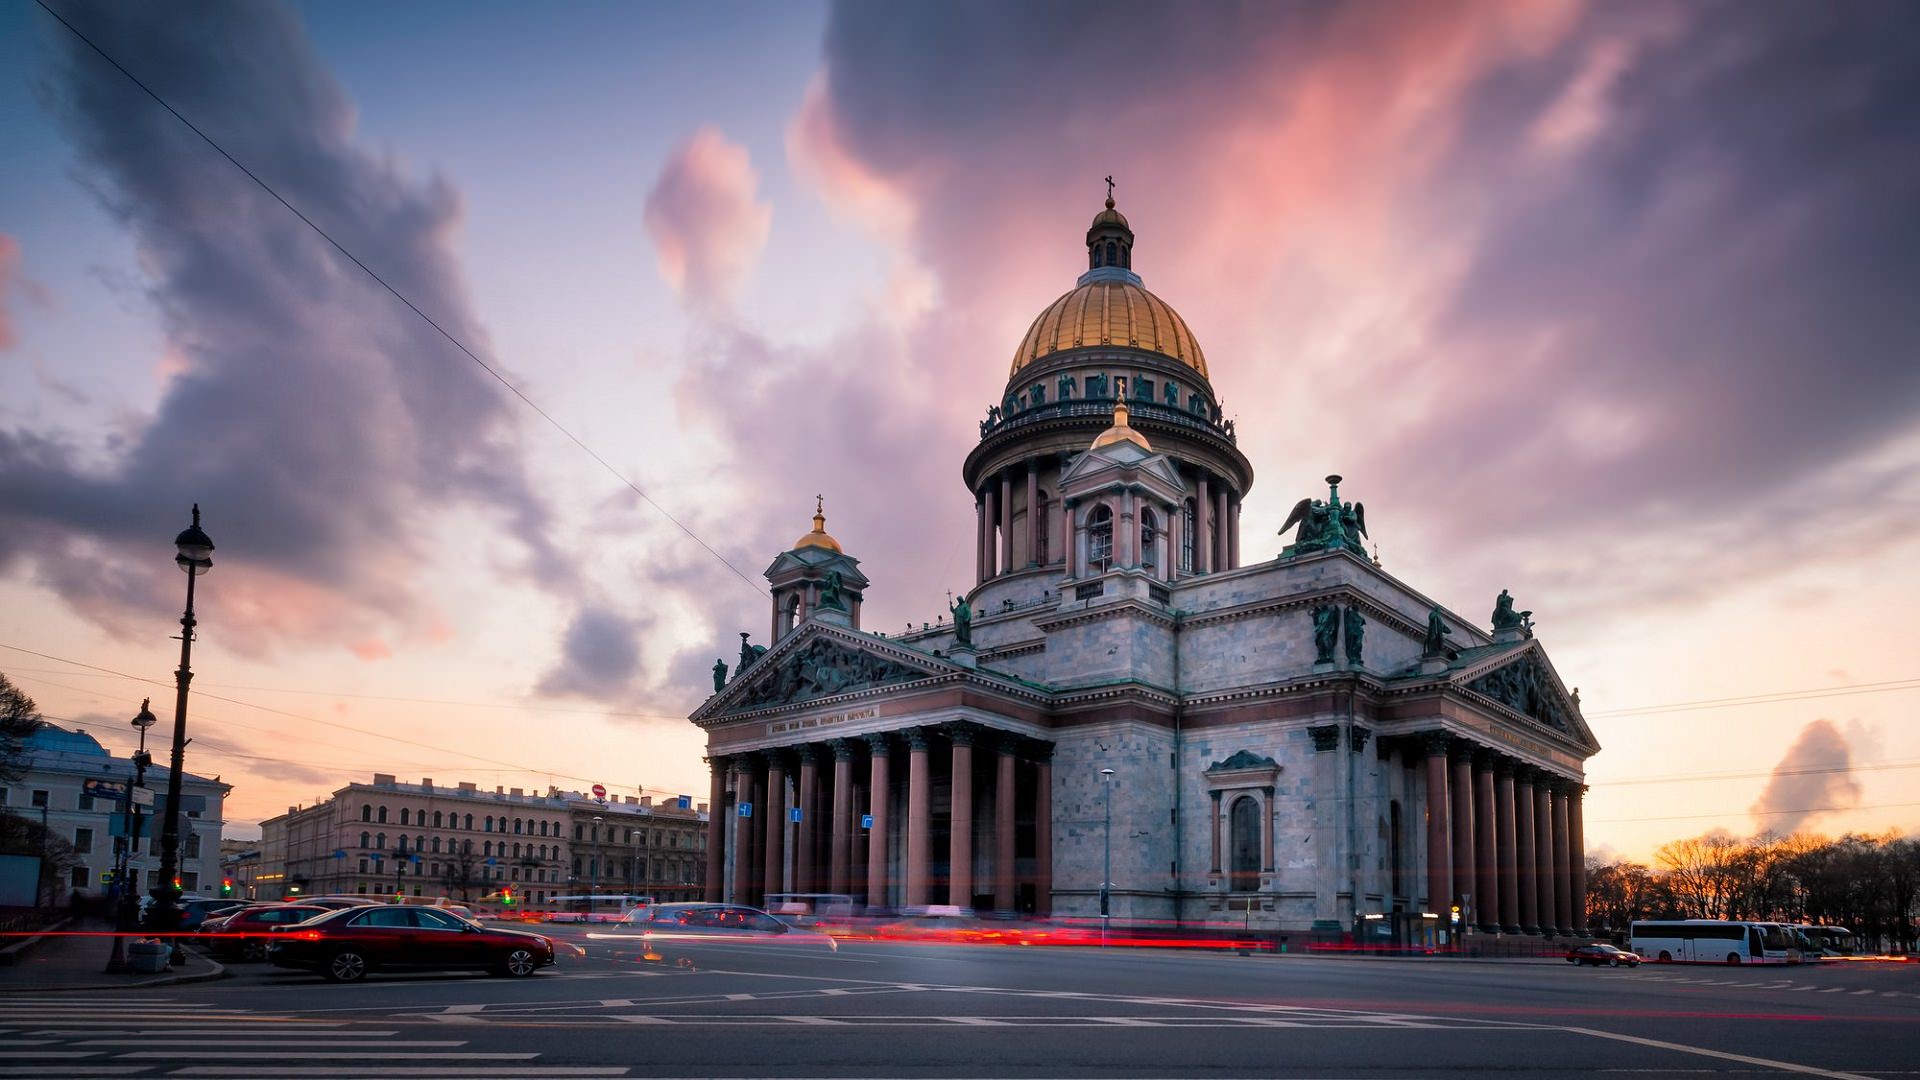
(345, 1055)
(65, 1070)
(191, 1044)
(461, 1073)
(174, 1032)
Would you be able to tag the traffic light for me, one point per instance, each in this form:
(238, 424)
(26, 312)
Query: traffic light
(506, 897)
(226, 887)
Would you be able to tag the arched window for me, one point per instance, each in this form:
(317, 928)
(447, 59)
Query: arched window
(420, 842)
(382, 815)
(488, 823)
(1046, 515)
(366, 812)
(366, 840)
(469, 822)
(486, 848)
(1126, 257)
(436, 819)
(1244, 828)
(466, 847)
(1113, 254)
(1149, 539)
(403, 815)
(1187, 516)
(436, 845)
(1100, 538)
(516, 826)
(380, 841)
(516, 851)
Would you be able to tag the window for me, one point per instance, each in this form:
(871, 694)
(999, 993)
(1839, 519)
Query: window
(516, 826)
(488, 825)
(579, 832)
(380, 841)
(437, 920)
(1149, 539)
(193, 846)
(436, 819)
(1244, 827)
(383, 815)
(84, 802)
(469, 822)
(398, 915)
(80, 877)
(1042, 545)
(82, 841)
(363, 865)
(486, 849)
(189, 881)
(366, 812)
(400, 842)
(40, 800)
(1100, 538)
(403, 816)
(366, 840)
(1113, 254)
(436, 845)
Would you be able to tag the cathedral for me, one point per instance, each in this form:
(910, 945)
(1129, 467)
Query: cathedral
(1123, 716)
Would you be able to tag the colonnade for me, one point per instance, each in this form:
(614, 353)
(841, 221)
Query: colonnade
(1504, 839)
(1052, 526)
(967, 839)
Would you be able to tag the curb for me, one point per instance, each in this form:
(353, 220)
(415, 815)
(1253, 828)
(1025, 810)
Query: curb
(10, 956)
(219, 972)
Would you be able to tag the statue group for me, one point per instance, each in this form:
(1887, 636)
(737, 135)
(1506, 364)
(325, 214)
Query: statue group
(1505, 618)
(1328, 622)
(1326, 525)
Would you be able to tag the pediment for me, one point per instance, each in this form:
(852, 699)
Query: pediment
(818, 662)
(1524, 680)
(1243, 759)
(1123, 457)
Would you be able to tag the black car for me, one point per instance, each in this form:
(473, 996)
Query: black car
(1602, 954)
(346, 944)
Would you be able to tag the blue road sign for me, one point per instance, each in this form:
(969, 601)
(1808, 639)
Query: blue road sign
(793, 814)
(866, 821)
(686, 802)
(746, 809)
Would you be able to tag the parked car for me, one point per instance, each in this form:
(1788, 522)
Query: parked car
(245, 933)
(344, 945)
(1597, 954)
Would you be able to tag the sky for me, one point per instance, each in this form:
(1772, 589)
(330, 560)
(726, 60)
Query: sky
(1606, 304)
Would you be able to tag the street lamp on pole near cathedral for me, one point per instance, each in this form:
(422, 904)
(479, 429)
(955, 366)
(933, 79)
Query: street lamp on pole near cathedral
(1106, 859)
(126, 909)
(195, 558)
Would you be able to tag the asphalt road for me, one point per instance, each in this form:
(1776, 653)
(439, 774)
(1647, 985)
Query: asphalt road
(929, 1011)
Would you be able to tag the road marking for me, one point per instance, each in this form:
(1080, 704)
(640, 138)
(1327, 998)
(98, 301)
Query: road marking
(421, 1070)
(1857, 993)
(237, 1043)
(1744, 1059)
(345, 1055)
(65, 1070)
(813, 1021)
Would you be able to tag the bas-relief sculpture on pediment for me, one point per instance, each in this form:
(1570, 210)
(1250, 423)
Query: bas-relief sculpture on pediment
(1525, 687)
(821, 668)
(1243, 759)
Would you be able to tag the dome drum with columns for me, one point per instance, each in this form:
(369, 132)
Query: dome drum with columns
(1348, 757)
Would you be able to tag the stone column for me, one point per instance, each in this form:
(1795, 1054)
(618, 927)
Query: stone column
(1505, 835)
(805, 836)
(754, 827)
(979, 536)
(1543, 855)
(1525, 845)
(877, 878)
(776, 824)
(1329, 870)
(1562, 870)
(1004, 819)
(1484, 860)
(1465, 877)
(1220, 528)
(1126, 539)
(1033, 514)
(989, 539)
(1174, 525)
(1214, 834)
(1577, 857)
(1233, 534)
(1203, 543)
(1069, 536)
(1439, 825)
(1006, 521)
(919, 816)
(1043, 829)
(960, 838)
(1266, 830)
(716, 890)
(840, 845)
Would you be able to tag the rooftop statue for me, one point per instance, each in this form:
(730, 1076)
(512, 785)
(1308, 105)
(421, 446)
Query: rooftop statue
(1326, 629)
(833, 594)
(1505, 618)
(1326, 525)
(719, 675)
(1437, 631)
(1356, 631)
(962, 622)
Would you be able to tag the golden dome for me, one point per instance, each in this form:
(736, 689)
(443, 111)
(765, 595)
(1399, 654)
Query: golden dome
(1110, 310)
(818, 537)
(1120, 432)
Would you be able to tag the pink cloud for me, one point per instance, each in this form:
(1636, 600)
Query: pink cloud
(702, 214)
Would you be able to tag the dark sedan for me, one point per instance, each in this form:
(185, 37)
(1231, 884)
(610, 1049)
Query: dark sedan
(348, 943)
(244, 933)
(1602, 954)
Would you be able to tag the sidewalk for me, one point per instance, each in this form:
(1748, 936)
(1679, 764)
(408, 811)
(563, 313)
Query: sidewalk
(74, 957)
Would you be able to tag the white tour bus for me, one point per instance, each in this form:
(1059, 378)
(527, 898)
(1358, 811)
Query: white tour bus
(1830, 941)
(598, 908)
(1712, 941)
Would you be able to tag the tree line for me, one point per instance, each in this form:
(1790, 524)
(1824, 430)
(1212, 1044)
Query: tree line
(1868, 884)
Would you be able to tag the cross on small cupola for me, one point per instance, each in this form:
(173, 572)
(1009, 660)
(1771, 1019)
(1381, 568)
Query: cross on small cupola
(1110, 239)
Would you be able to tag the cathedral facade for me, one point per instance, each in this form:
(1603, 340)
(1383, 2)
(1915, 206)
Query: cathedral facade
(1123, 715)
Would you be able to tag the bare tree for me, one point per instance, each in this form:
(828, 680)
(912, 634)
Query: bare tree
(19, 718)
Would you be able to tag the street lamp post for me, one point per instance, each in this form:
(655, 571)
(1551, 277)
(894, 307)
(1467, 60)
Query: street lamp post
(195, 558)
(1106, 858)
(126, 910)
(593, 891)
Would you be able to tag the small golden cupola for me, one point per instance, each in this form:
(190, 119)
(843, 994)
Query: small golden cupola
(1121, 432)
(818, 538)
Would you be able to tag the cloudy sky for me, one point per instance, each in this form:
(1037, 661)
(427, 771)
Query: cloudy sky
(1611, 305)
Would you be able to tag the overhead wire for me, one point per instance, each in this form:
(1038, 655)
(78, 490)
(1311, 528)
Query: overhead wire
(410, 305)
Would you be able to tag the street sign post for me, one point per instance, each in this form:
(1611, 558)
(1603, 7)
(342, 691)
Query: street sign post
(746, 809)
(600, 792)
(142, 796)
(793, 814)
(866, 821)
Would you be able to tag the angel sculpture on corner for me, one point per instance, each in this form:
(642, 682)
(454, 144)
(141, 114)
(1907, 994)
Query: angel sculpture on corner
(1326, 525)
